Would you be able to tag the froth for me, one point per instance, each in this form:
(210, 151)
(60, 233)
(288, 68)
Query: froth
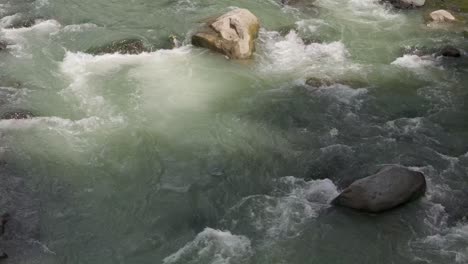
(19, 36)
(283, 215)
(213, 247)
(81, 68)
(290, 55)
(413, 62)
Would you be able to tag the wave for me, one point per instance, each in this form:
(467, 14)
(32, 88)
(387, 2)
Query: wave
(213, 247)
(282, 215)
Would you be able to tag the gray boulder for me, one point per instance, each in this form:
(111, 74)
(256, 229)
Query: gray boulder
(232, 34)
(390, 187)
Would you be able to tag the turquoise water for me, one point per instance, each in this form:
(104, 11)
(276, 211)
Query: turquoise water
(181, 156)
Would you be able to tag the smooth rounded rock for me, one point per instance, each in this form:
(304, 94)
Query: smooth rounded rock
(392, 186)
(442, 16)
(232, 34)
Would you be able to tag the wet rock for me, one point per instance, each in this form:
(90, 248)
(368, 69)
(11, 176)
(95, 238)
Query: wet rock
(125, 46)
(18, 114)
(449, 51)
(390, 187)
(3, 45)
(406, 4)
(296, 2)
(320, 82)
(175, 43)
(232, 34)
(442, 16)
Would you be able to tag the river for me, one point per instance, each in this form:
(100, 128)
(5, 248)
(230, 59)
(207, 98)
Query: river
(182, 156)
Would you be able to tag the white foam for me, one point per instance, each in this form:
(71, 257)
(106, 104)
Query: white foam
(79, 27)
(311, 25)
(60, 125)
(213, 247)
(290, 55)
(42, 27)
(9, 20)
(414, 62)
(19, 36)
(405, 125)
(452, 243)
(81, 69)
(342, 93)
(284, 214)
(367, 10)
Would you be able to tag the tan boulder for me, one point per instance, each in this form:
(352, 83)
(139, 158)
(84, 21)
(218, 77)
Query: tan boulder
(232, 34)
(442, 16)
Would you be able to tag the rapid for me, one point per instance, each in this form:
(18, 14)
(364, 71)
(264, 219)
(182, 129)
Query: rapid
(181, 156)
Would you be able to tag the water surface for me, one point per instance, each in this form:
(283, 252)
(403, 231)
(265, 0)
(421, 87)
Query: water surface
(181, 156)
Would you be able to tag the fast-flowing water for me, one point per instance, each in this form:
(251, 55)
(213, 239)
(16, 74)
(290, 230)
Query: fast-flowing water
(181, 156)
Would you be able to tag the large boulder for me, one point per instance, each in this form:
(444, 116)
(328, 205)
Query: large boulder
(232, 34)
(390, 187)
(405, 4)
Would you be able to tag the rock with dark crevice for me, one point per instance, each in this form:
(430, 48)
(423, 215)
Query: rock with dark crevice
(391, 187)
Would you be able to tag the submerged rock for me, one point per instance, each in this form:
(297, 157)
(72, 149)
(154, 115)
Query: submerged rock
(405, 4)
(442, 16)
(19, 114)
(175, 43)
(23, 23)
(390, 187)
(319, 82)
(3, 45)
(449, 51)
(125, 46)
(20, 226)
(232, 34)
(297, 2)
